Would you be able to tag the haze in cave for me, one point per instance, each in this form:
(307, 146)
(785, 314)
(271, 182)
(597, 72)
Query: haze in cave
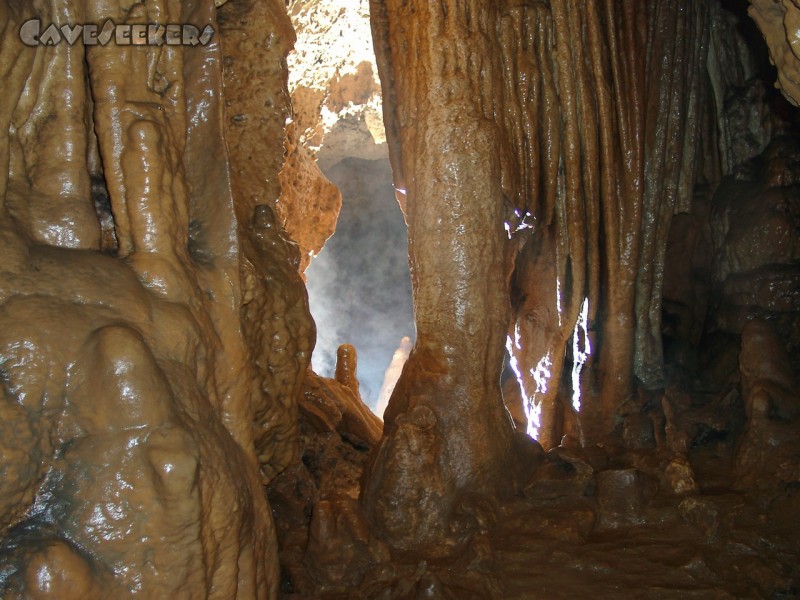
(598, 397)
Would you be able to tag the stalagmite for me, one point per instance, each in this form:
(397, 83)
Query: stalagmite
(583, 130)
(447, 433)
(600, 195)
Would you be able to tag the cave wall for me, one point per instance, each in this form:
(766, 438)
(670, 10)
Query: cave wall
(338, 122)
(780, 22)
(154, 330)
(572, 137)
(155, 327)
(543, 149)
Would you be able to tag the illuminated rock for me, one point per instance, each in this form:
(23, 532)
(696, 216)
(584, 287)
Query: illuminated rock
(779, 21)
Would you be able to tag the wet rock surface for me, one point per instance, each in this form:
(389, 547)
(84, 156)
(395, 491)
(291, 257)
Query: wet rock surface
(134, 393)
(161, 435)
(649, 523)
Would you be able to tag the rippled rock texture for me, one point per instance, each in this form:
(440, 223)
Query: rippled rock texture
(155, 334)
(258, 109)
(531, 141)
(542, 151)
(155, 329)
(334, 81)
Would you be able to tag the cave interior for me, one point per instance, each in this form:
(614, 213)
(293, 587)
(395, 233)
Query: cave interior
(595, 392)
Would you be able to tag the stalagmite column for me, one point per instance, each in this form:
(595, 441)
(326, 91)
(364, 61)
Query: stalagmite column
(447, 432)
(583, 117)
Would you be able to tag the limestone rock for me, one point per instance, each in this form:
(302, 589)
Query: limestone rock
(334, 81)
(309, 203)
(779, 21)
(757, 245)
(133, 376)
(336, 407)
(270, 164)
(702, 514)
(622, 497)
(565, 475)
(679, 477)
(340, 549)
(772, 409)
(325, 541)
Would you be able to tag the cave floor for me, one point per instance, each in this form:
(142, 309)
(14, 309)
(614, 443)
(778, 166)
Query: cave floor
(736, 547)
(711, 546)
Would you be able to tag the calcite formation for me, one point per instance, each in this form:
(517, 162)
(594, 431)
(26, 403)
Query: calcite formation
(258, 108)
(779, 21)
(525, 118)
(600, 196)
(446, 417)
(333, 80)
(542, 148)
(155, 329)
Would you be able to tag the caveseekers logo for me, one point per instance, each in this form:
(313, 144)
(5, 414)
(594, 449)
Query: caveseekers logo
(150, 34)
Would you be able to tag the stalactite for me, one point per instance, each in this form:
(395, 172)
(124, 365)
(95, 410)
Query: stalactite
(671, 145)
(615, 127)
(593, 130)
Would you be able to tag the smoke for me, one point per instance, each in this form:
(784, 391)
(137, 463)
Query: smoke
(392, 374)
(359, 286)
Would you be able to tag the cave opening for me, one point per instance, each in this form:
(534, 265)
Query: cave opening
(359, 284)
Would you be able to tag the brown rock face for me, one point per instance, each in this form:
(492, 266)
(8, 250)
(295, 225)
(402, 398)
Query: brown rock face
(555, 125)
(772, 408)
(309, 202)
(267, 178)
(155, 335)
(134, 393)
(574, 116)
(447, 432)
(754, 217)
(258, 108)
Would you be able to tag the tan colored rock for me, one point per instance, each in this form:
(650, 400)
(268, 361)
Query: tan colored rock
(334, 81)
(779, 21)
(335, 406)
(679, 477)
(325, 540)
(756, 243)
(258, 109)
(309, 203)
(278, 328)
(446, 430)
(133, 382)
(336, 113)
